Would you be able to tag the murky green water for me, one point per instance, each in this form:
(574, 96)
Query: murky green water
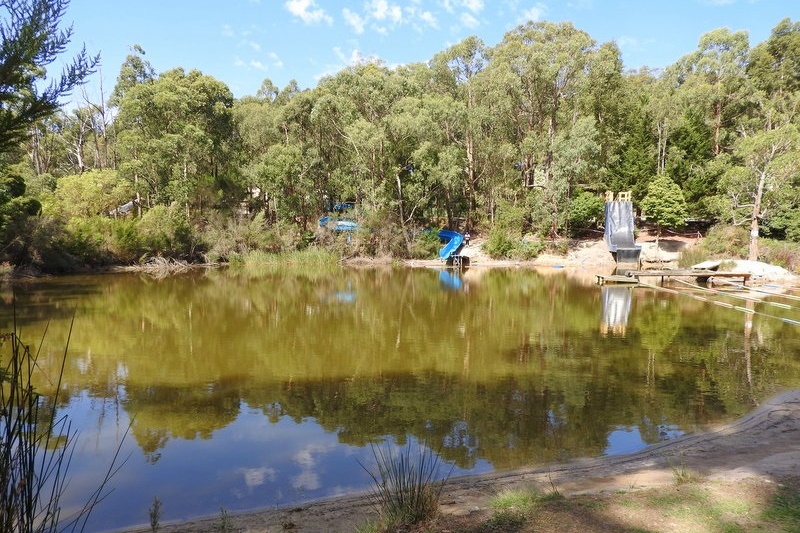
(253, 390)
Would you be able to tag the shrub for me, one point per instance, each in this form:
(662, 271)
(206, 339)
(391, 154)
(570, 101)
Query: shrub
(725, 241)
(425, 245)
(585, 211)
(498, 245)
(165, 231)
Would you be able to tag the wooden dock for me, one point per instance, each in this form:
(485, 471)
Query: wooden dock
(701, 275)
(616, 279)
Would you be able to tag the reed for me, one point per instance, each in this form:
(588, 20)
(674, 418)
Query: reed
(406, 487)
(35, 448)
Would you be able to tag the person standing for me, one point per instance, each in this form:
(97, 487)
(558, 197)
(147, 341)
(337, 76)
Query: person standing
(466, 238)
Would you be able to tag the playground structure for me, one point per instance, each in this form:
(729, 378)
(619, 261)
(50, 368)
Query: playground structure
(449, 253)
(619, 231)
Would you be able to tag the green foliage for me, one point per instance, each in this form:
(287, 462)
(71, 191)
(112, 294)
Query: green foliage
(781, 253)
(15, 208)
(92, 193)
(586, 211)
(31, 42)
(165, 231)
(721, 242)
(425, 245)
(227, 238)
(311, 256)
(664, 203)
(500, 246)
(785, 507)
(495, 137)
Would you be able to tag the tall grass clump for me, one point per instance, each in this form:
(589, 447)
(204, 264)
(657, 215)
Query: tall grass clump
(405, 487)
(35, 448)
(311, 256)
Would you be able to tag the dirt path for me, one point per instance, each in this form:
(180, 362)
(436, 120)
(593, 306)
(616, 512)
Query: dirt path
(764, 445)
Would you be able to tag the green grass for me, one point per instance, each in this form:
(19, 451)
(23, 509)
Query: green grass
(785, 508)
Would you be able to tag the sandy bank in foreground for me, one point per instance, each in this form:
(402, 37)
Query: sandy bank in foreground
(764, 445)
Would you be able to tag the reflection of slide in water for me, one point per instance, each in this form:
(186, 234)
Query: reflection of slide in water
(453, 242)
(337, 225)
(616, 309)
(451, 280)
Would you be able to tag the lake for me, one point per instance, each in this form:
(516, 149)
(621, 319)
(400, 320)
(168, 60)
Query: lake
(240, 390)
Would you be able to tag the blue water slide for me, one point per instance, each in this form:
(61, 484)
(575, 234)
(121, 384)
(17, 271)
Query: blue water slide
(338, 225)
(453, 242)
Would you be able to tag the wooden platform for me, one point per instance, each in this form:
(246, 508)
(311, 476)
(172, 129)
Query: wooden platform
(628, 280)
(700, 275)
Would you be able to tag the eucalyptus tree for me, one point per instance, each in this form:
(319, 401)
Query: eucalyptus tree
(454, 73)
(713, 80)
(540, 68)
(369, 159)
(764, 178)
(174, 138)
(775, 63)
(606, 98)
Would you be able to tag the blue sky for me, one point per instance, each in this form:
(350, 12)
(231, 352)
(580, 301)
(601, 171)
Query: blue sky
(242, 42)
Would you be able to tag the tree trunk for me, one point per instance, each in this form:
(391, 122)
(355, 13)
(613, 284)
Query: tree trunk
(752, 251)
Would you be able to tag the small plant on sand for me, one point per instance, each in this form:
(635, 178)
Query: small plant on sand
(405, 487)
(225, 523)
(155, 515)
(682, 474)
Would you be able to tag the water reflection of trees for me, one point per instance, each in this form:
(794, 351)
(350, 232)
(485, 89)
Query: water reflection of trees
(515, 371)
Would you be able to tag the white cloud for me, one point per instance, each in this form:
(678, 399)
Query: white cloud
(227, 31)
(429, 18)
(534, 14)
(258, 65)
(276, 60)
(354, 20)
(383, 10)
(476, 6)
(254, 45)
(469, 21)
(238, 62)
(308, 11)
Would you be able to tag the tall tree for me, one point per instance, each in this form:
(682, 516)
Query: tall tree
(769, 162)
(30, 41)
(713, 79)
(455, 72)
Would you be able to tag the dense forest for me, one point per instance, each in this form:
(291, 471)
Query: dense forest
(517, 141)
